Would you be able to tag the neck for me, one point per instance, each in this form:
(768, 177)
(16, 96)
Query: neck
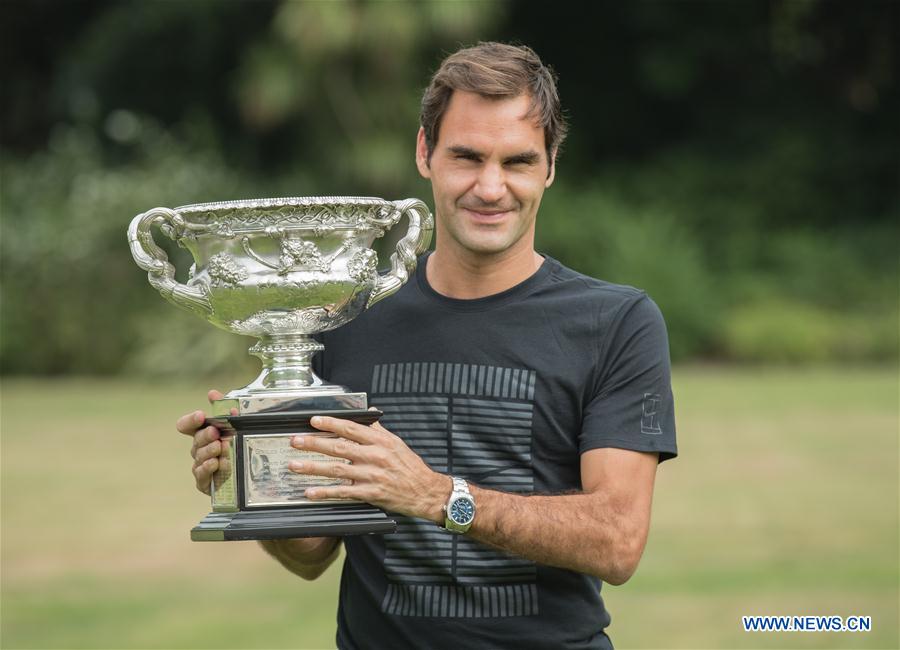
(466, 276)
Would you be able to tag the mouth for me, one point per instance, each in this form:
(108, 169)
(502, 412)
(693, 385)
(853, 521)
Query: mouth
(487, 216)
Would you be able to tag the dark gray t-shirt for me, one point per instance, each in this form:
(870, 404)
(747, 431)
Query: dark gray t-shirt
(507, 392)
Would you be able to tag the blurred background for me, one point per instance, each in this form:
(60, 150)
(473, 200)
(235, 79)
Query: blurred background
(738, 160)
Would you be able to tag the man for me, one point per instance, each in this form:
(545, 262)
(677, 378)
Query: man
(513, 388)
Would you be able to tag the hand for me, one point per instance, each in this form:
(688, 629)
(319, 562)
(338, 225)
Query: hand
(307, 557)
(207, 447)
(384, 470)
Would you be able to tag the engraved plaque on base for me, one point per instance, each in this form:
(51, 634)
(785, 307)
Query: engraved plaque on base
(270, 482)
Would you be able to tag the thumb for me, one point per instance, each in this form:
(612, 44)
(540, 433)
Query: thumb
(214, 396)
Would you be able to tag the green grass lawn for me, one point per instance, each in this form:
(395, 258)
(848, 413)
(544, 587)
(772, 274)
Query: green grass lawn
(784, 501)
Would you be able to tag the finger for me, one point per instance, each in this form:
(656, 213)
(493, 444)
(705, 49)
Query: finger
(212, 450)
(336, 469)
(336, 447)
(188, 424)
(345, 428)
(333, 492)
(203, 473)
(203, 438)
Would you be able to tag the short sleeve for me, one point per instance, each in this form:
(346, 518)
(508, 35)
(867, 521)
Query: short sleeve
(632, 406)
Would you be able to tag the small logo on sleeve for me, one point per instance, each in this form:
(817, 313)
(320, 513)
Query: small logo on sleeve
(650, 414)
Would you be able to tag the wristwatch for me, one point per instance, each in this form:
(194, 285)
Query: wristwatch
(459, 512)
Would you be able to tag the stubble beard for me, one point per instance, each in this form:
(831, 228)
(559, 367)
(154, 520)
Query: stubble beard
(485, 240)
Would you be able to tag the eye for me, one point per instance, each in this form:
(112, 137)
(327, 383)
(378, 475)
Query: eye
(520, 162)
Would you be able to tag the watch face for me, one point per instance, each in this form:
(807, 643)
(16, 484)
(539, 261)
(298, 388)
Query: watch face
(462, 511)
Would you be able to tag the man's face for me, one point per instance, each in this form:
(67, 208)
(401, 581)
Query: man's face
(488, 170)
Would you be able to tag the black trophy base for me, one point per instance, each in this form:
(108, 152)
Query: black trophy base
(244, 492)
(309, 521)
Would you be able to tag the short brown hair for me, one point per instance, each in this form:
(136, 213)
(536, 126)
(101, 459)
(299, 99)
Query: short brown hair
(496, 71)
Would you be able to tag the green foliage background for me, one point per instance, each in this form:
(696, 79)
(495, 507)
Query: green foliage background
(737, 160)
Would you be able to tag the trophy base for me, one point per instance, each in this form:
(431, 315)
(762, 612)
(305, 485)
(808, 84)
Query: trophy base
(255, 495)
(309, 521)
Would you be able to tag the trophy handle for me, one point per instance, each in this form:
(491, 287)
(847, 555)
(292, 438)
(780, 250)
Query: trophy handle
(410, 246)
(153, 259)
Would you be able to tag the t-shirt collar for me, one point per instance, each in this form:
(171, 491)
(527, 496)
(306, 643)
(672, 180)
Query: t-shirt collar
(512, 294)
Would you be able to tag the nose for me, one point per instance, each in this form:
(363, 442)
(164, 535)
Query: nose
(490, 186)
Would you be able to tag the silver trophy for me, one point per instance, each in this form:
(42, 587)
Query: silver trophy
(281, 270)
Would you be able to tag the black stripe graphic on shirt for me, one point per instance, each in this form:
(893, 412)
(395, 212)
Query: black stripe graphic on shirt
(473, 421)
(454, 378)
(461, 601)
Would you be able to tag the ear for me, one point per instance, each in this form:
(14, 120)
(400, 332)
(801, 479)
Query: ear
(552, 173)
(422, 154)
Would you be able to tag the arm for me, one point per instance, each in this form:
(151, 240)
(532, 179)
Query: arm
(601, 531)
(307, 557)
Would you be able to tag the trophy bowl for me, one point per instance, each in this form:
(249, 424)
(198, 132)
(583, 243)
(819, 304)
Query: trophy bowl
(281, 270)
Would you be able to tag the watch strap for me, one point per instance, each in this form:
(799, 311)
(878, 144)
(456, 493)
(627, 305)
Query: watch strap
(460, 485)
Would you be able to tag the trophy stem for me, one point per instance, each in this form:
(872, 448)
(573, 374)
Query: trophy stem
(287, 364)
(287, 382)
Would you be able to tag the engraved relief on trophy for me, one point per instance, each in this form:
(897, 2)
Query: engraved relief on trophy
(295, 254)
(363, 266)
(225, 270)
(298, 321)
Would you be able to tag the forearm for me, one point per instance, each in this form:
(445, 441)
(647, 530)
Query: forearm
(588, 533)
(601, 531)
(305, 557)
